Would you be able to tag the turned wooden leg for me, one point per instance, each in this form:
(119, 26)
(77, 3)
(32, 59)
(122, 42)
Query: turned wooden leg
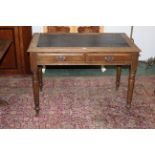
(40, 78)
(118, 76)
(132, 74)
(131, 83)
(36, 90)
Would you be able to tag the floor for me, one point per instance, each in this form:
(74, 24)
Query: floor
(70, 102)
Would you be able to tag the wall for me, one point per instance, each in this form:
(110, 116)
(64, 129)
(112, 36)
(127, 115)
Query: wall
(144, 37)
(124, 29)
(36, 29)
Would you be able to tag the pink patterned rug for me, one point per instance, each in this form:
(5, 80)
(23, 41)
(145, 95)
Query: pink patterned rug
(77, 102)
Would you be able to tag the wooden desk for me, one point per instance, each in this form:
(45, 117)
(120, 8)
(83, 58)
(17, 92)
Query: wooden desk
(83, 49)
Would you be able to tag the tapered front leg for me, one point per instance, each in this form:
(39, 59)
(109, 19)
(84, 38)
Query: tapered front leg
(131, 81)
(40, 78)
(36, 90)
(35, 80)
(118, 76)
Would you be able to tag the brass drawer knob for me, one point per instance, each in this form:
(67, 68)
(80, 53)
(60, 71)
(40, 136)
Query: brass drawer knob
(60, 58)
(108, 58)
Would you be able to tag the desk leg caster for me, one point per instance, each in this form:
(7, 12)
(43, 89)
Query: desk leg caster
(37, 109)
(128, 106)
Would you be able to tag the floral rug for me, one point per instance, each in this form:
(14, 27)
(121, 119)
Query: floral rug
(77, 103)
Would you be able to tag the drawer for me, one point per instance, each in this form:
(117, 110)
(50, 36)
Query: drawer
(108, 58)
(48, 58)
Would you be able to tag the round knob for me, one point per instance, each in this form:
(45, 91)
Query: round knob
(60, 58)
(108, 58)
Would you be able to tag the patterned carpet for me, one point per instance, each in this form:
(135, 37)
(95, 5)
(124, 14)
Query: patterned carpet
(77, 102)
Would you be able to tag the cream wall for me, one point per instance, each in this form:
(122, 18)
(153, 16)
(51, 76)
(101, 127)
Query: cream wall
(36, 29)
(144, 37)
(124, 29)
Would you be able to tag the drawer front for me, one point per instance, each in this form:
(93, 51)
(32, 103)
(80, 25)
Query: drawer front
(45, 58)
(108, 58)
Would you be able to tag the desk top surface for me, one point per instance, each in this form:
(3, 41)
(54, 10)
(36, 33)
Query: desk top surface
(4, 45)
(76, 41)
(87, 40)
